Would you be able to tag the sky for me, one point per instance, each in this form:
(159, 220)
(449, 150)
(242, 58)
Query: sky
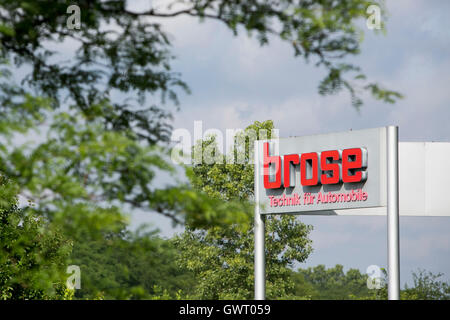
(234, 82)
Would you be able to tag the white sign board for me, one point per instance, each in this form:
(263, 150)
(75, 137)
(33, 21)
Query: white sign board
(424, 188)
(322, 173)
(365, 172)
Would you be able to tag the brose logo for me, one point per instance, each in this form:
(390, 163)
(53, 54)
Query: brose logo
(326, 167)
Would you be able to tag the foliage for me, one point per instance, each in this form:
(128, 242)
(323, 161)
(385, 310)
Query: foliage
(230, 176)
(333, 283)
(129, 265)
(427, 286)
(95, 133)
(104, 147)
(83, 176)
(96, 155)
(33, 255)
(221, 257)
(128, 51)
(87, 159)
(302, 289)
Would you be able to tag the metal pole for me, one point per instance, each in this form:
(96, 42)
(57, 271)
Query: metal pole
(392, 214)
(260, 263)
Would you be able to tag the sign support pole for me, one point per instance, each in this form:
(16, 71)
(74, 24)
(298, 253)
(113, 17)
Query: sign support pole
(392, 219)
(393, 214)
(260, 263)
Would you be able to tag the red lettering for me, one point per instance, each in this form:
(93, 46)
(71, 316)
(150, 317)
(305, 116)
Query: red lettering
(267, 160)
(327, 167)
(309, 163)
(287, 160)
(331, 170)
(353, 161)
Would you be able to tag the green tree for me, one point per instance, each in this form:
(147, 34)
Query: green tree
(33, 256)
(333, 283)
(83, 176)
(88, 157)
(129, 265)
(426, 286)
(128, 51)
(303, 288)
(221, 258)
